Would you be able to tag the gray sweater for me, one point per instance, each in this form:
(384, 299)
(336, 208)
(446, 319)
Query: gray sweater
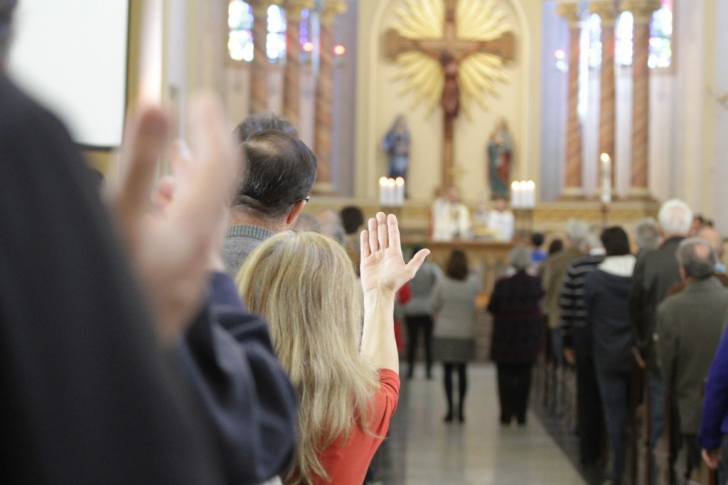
(422, 285)
(239, 243)
(454, 302)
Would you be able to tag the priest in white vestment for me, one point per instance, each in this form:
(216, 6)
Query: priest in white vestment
(450, 218)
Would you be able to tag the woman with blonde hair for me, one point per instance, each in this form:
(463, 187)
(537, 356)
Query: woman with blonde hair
(346, 375)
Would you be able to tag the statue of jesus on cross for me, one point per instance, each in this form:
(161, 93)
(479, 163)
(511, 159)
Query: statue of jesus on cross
(450, 51)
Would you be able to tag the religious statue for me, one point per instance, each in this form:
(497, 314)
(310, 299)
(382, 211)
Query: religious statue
(397, 145)
(499, 160)
(450, 217)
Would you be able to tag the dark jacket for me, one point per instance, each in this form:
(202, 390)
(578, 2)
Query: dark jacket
(88, 395)
(606, 293)
(714, 421)
(517, 322)
(246, 396)
(654, 274)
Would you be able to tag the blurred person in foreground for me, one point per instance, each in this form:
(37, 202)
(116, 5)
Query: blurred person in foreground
(92, 393)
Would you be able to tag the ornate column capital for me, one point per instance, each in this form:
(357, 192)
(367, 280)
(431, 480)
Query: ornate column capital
(642, 10)
(295, 7)
(571, 12)
(607, 11)
(330, 9)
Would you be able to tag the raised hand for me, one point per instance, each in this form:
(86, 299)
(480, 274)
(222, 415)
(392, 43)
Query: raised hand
(382, 265)
(170, 250)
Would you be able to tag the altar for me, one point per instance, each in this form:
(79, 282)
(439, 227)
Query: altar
(488, 258)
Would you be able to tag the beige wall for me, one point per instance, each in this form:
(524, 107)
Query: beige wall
(379, 101)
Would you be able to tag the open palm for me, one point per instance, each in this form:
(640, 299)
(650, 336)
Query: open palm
(382, 265)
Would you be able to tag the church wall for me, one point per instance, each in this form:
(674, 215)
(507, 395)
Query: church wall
(379, 101)
(554, 95)
(720, 128)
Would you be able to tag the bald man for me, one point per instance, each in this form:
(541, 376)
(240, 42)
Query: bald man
(716, 241)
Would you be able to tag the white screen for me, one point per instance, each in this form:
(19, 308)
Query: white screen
(71, 56)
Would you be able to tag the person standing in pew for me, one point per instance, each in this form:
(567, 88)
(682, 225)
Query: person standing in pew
(689, 326)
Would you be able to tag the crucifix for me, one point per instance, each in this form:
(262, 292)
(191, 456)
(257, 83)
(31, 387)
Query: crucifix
(449, 51)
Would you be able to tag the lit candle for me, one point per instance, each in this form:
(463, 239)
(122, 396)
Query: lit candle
(515, 189)
(390, 193)
(383, 191)
(399, 194)
(606, 178)
(531, 194)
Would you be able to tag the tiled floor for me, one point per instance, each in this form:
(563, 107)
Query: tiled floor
(423, 450)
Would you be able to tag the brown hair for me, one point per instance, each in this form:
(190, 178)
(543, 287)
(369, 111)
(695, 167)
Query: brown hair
(457, 265)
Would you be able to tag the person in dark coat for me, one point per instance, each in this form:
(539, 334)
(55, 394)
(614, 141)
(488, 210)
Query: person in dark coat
(606, 292)
(654, 274)
(517, 334)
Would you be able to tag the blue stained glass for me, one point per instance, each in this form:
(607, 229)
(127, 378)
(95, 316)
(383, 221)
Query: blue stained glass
(240, 34)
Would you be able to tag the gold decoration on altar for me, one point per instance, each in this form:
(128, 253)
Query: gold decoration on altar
(480, 23)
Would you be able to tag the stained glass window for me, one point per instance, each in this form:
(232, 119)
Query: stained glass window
(276, 40)
(660, 38)
(240, 32)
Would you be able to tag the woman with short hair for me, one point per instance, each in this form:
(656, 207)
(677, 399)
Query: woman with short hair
(346, 375)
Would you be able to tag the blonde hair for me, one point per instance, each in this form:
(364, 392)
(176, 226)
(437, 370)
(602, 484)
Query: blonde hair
(305, 286)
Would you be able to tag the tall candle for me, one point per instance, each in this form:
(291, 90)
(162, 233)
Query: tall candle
(383, 191)
(530, 194)
(391, 197)
(515, 194)
(399, 191)
(606, 178)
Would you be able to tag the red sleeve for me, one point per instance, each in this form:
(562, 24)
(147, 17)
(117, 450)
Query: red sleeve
(385, 401)
(405, 293)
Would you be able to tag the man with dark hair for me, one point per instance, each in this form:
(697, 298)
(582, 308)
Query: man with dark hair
(606, 292)
(689, 326)
(280, 173)
(264, 121)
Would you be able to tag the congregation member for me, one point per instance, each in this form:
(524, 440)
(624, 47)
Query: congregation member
(646, 236)
(715, 239)
(578, 348)
(689, 326)
(90, 393)
(517, 335)
(538, 255)
(228, 358)
(606, 293)
(654, 274)
(453, 304)
(713, 431)
(281, 171)
(418, 313)
(346, 374)
(501, 220)
(554, 270)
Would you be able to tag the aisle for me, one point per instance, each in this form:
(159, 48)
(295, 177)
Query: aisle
(423, 450)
